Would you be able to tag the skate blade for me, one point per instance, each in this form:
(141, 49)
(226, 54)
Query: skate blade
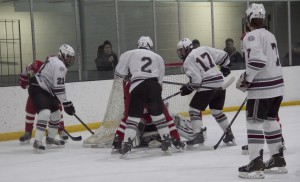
(53, 146)
(200, 147)
(114, 151)
(253, 175)
(181, 149)
(167, 152)
(38, 151)
(124, 156)
(276, 170)
(232, 143)
(25, 142)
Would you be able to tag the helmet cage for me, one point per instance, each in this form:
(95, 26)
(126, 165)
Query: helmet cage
(184, 47)
(67, 55)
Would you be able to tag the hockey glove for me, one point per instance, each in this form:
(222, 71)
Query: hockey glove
(69, 108)
(225, 70)
(186, 90)
(242, 84)
(23, 81)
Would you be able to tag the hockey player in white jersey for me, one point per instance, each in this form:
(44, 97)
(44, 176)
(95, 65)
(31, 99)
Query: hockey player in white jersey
(263, 81)
(46, 89)
(147, 69)
(200, 65)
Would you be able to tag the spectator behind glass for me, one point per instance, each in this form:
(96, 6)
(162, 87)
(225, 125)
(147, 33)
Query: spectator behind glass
(236, 58)
(196, 43)
(295, 56)
(106, 59)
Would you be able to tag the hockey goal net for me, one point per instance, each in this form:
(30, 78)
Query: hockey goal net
(104, 135)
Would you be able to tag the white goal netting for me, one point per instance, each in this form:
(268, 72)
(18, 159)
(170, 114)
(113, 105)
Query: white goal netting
(104, 135)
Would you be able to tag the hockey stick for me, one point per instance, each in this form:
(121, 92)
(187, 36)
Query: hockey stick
(78, 138)
(225, 85)
(171, 96)
(237, 113)
(84, 124)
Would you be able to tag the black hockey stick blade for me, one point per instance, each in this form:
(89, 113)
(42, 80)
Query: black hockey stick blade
(225, 85)
(237, 113)
(171, 96)
(78, 138)
(84, 124)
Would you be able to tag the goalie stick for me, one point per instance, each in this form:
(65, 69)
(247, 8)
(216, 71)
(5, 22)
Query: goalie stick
(225, 85)
(84, 124)
(78, 138)
(237, 113)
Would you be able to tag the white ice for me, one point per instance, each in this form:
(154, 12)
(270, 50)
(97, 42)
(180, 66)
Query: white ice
(74, 163)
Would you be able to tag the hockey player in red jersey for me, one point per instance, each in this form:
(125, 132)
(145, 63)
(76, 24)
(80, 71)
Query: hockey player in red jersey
(146, 126)
(30, 70)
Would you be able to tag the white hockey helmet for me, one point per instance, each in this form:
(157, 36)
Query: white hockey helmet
(255, 11)
(67, 54)
(145, 42)
(184, 47)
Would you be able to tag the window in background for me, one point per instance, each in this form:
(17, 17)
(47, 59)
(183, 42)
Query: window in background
(15, 41)
(135, 20)
(54, 24)
(295, 33)
(228, 23)
(167, 30)
(196, 21)
(99, 35)
(277, 22)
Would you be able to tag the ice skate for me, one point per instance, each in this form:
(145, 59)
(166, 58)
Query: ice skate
(245, 150)
(25, 139)
(253, 170)
(204, 131)
(277, 164)
(283, 143)
(52, 141)
(126, 149)
(116, 145)
(198, 139)
(229, 138)
(62, 135)
(38, 147)
(166, 145)
(180, 146)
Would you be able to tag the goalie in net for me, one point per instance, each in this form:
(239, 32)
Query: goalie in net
(116, 112)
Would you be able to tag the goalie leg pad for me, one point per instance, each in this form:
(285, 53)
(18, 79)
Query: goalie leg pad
(196, 119)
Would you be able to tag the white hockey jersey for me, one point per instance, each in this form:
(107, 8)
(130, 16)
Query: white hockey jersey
(141, 64)
(263, 68)
(51, 77)
(201, 66)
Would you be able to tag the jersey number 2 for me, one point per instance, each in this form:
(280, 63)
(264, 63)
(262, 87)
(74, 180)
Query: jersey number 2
(148, 63)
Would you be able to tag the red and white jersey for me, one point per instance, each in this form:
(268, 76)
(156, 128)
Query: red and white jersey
(142, 64)
(201, 66)
(263, 68)
(30, 71)
(51, 77)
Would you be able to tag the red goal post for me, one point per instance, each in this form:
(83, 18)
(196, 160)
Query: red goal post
(104, 135)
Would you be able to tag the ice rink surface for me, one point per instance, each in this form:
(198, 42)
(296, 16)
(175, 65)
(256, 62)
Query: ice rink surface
(75, 163)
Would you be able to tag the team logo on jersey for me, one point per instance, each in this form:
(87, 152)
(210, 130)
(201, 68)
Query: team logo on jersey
(61, 69)
(251, 38)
